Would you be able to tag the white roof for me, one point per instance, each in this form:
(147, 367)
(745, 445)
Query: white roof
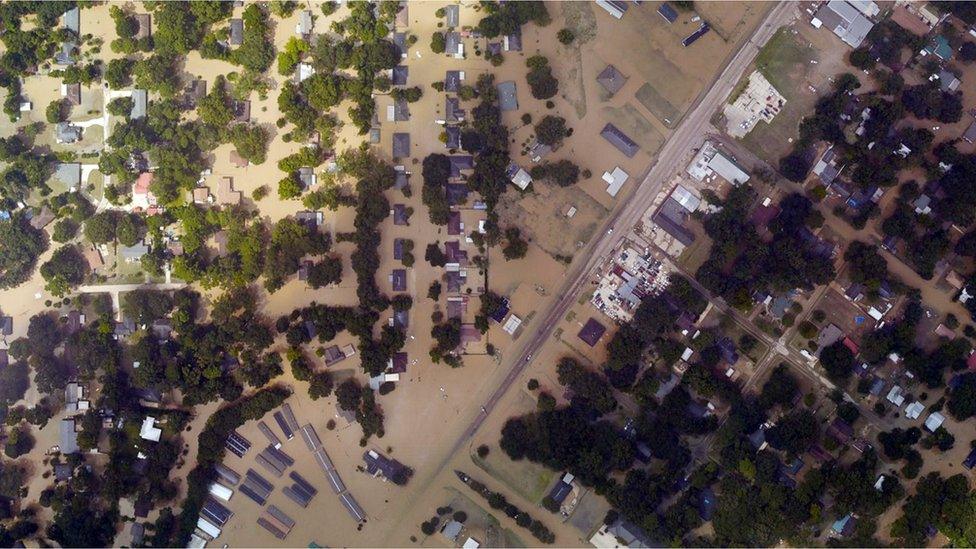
(867, 7)
(934, 421)
(683, 196)
(149, 431)
(208, 528)
(914, 410)
(727, 169)
(875, 314)
(220, 491)
(196, 542)
(391, 377)
(880, 483)
(521, 179)
(512, 324)
(471, 543)
(895, 397)
(687, 354)
(304, 71)
(615, 180)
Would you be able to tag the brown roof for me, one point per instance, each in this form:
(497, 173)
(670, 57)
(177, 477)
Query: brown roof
(93, 257)
(145, 28)
(73, 93)
(237, 160)
(226, 193)
(201, 195)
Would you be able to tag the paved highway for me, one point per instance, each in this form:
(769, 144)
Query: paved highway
(688, 135)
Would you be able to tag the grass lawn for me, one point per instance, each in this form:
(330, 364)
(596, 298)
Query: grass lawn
(525, 478)
(784, 62)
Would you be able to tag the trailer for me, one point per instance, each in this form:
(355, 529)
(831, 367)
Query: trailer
(289, 416)
(269, 434)
(283, 425)
(311, 438)
(228, 475)
(208, 528)
(220, 491)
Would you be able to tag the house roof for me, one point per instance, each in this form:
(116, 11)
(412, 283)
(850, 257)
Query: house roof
(134, 252)
(513, 42)
(592, 331)
(620, 140)
(377, 463)
(452, 15)
(145, 26)
(42, 218)
(457, 193)
(399, 214)
(237, 160)
(236, 32)
(452, 81)
(66, 133)
(304, 26)
(507, 96)
(398, 278)
(398, 249)
(6, 325)
(69, 438)
(68, 173)
(453, 111)
(845, 21)
(611, 79)
(560, 491)
(727, 169)
(72, 20)
(670, 217)
(225, 192)
(970, 135)
(401, 145)
(400, 75)
(452, 43)
(453, 137)
(139, 103)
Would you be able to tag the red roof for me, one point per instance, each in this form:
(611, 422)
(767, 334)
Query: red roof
(142, 183)
(971, 362)
(849, 343)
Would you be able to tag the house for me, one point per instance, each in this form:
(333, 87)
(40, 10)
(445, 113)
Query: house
(399, 111)
(914, 410)
(939, 46)
(307, 177)
(561, 490)
(620, 140)
(621, 533)
(236, 32)
(896, 396)
(66, 133)
(452, 110)
(452, 15)
(379, 465)
(66, 55)
(970, 460)
(591, 332)
(69, 437)
(133, 254)
(970, 135)
(615, 180)
(616, 8)
(844, 526)
(452, 530)
(237, 160)
(909, 21)
(507, 96)
(201, 195)
(42, 218)
(400, 41)
(518, 176)
(125, 328)
(226, 195)
(829, 335)
(149, 431)
(398, 279)
(400, 214)
(512, 42)
(934, 421)
(512, 325)
(840, 430)
(671, 217)
(139, 103)
(145, 27)
(948, 82)
(242, 110)
(611, 79)
(667, 12)
(727, 169)
(453, 134)
(452, 81)
(6, 325)
(71, 92)
(304, 26)
(305, 71)
(399, 75)
(923, 204)
(142, 197)
(844, 20)
(196, 91)
(68, 174)
(826, 168)
(401, 145)
(459, 163)
(453, 45)
(72, 20)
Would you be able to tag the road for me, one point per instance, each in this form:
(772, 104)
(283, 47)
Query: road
(688, 135)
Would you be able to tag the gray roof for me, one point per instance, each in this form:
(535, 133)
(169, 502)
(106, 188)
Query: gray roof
(374, 135)
(69, 438)
(611, 79)
(134, 252)
(72, 20)
(671, 217)
(970, 134)
(236, 32)
(515, 41)
(401, 110)
(68, 133)
(400, 40)
(6, 325)
(66, 55)
(452, 43)
(452, 14)
(400, 74)
(620, 140)
(507, 96)
(305, 22)
(453, 137)
(453, 111)
(306, 175)
(401, 145)
(139, 103)
(845, 21)
(452, 81)
(68, 173)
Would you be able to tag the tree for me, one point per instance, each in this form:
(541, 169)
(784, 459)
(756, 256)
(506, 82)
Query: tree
(130, 229)
(837, 360)
(541, 81)
(551, 130)
(515, 247)
(19, 441)
(256, 52)
(562, 172)
(962, 399)
(20, 246)
(325, 272)
(438, 43)
(66, 268)
(158, 72)
(967, 52)
(291, 55)
(794, 432)
(588, 387)
(118, 73)
(100, 228)
(349, 395)
(251, 142)
(146, 306)
(57, 111)
(14, 382)
(780, 389)
(215, 107)
(565, 36)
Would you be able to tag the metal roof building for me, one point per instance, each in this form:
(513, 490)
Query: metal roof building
(620, 140)
(845, 20)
